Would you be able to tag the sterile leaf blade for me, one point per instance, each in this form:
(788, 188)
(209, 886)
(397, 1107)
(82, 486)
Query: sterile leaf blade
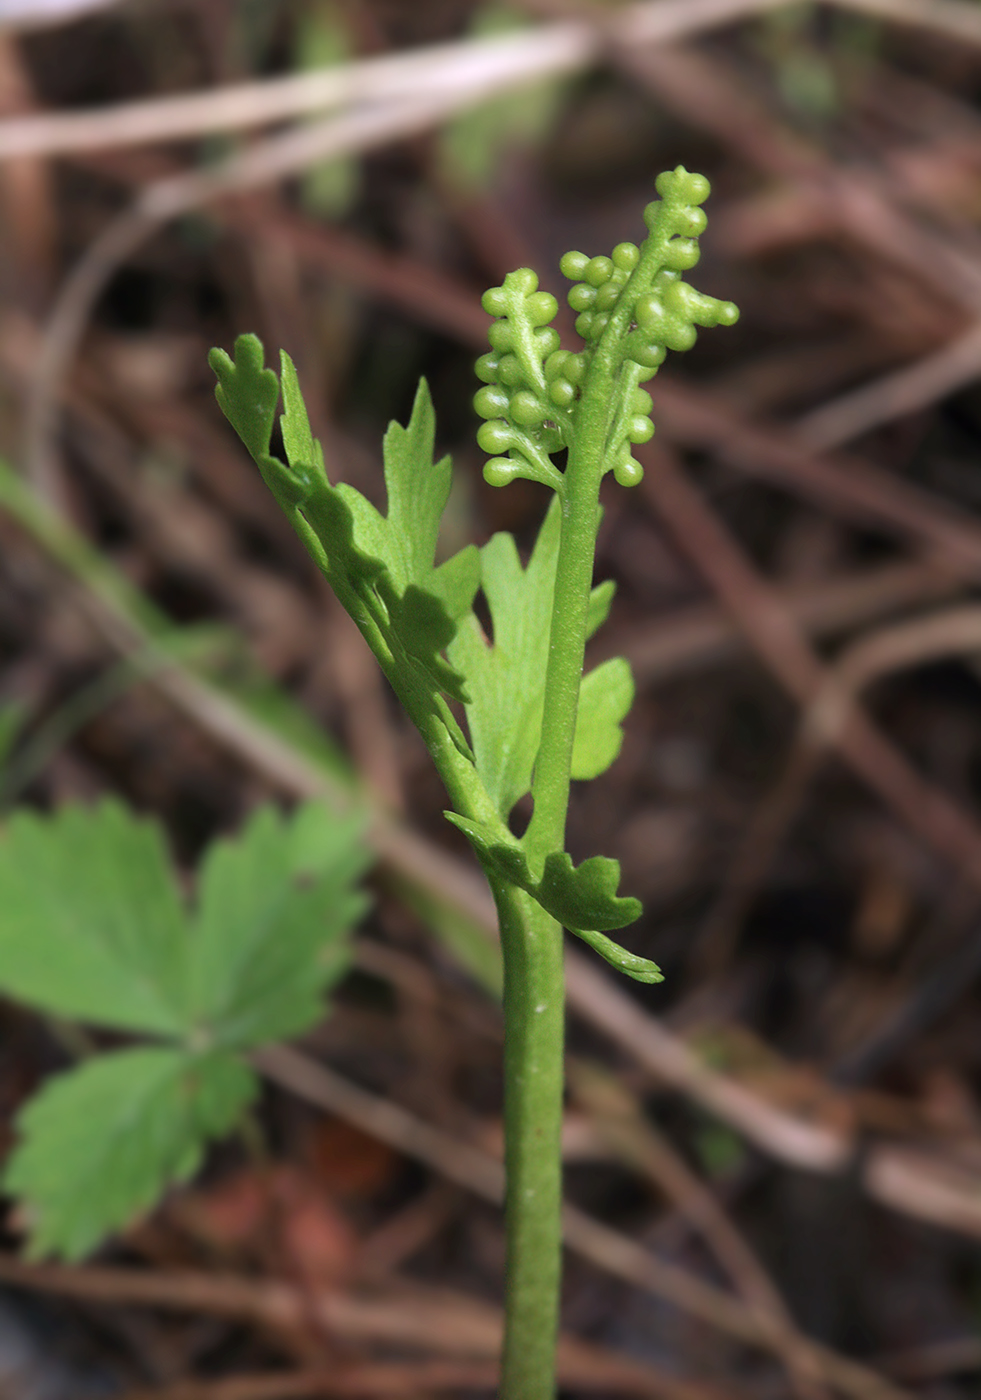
(506, 677)
(247, 392)
(580, 897)
(605, 697)
(371, 560)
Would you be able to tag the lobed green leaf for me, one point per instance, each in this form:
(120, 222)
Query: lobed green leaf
(580, 897)
(247, 393)
(100, 1143)
(268, 936)
(605, 697)
(382, 567)
(92, 925)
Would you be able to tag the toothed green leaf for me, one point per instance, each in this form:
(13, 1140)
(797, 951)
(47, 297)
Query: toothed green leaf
(506, 680)
(301, 447)
(100, 1144)
(269, 935)
(92, 926)
(417, 489)
(91, 923)
(582, 898)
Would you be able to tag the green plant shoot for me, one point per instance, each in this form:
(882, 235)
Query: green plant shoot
(533, 721)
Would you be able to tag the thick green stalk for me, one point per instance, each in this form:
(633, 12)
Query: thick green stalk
(533, 1077)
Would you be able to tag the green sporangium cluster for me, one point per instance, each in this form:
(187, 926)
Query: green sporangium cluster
(633, 307)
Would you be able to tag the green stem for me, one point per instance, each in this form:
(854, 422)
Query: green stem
(574, 569)
(532, 941)
(533, 973)
(533, 1050)
(567, 643)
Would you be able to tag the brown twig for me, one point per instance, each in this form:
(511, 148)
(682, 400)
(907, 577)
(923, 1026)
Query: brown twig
(703, 636)
(952, 632)
(847, 485)
(486, 64)
(405, 1378)
(925, 1186)
(831, 708)
(603, 1246)
(931, 814)
(412, 1316)
(618, 1118)
(905, 391)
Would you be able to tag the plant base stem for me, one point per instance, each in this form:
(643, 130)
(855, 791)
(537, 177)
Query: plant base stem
(534, 1025)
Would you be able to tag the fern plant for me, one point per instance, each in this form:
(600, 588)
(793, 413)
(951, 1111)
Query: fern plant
(533, 722)
(94, 929)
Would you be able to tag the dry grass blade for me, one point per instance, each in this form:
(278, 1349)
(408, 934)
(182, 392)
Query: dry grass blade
(314, 1082)
(486, 63)
(36, 14)
(390, 78)
(925, 1186)
(702, 636)
(789, 1138)
(166, 199)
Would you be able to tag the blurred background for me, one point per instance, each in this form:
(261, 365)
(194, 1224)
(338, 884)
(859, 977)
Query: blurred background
(777, 1153)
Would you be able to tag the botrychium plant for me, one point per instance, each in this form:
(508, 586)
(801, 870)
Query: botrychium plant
(533, 722)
